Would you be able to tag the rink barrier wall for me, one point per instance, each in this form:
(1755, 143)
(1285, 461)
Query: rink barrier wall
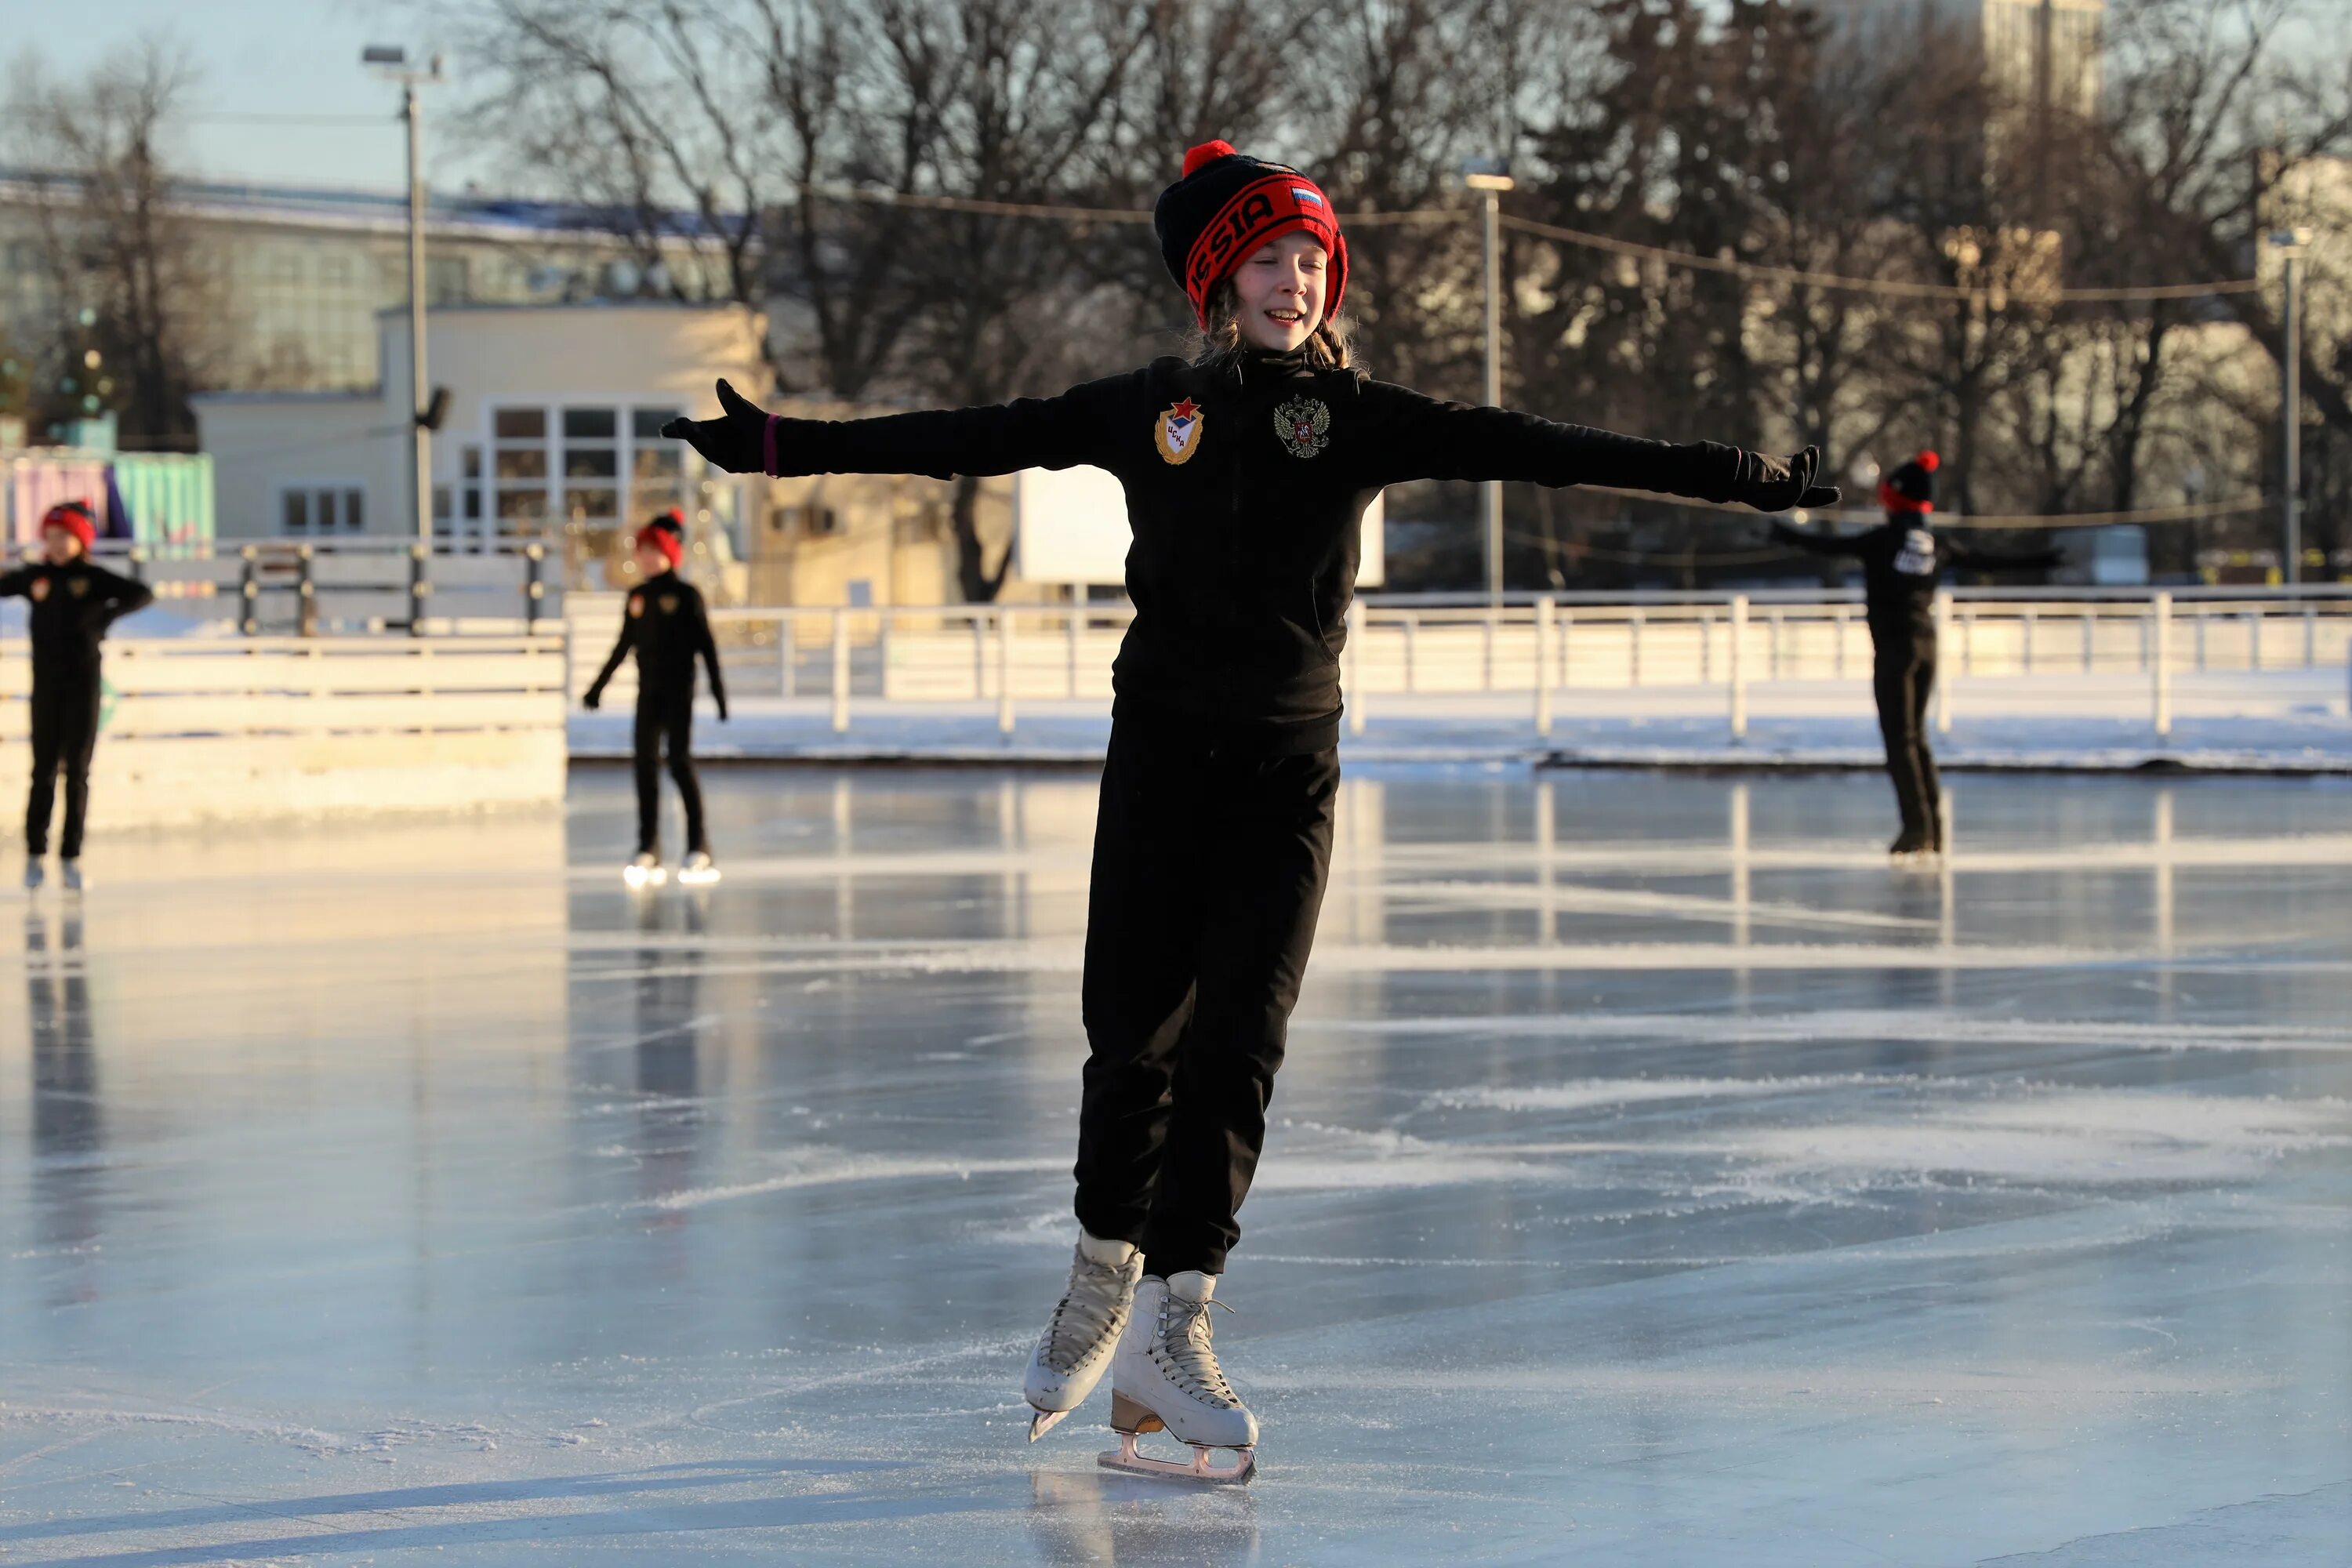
(2104, 654)
(227, 730)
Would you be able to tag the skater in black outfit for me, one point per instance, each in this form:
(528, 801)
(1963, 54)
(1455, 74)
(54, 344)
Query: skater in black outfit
(1248, 470)
(74, 601)
(1901, 561)
(664, 625)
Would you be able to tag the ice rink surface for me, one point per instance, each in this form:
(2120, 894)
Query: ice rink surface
(1658, 1179)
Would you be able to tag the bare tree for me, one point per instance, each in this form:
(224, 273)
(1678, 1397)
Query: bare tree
(130, 300)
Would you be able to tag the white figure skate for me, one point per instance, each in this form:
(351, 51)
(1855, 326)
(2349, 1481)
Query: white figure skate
(645, 871)
(1166, 1377)
(697, 871)
(1083, 1332)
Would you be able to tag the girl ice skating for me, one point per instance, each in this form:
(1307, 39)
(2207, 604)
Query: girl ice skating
(74, 601)
(1902, 561)
(664, 625)
(1247, 470)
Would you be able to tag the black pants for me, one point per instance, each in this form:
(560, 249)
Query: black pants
(65, 733)
(670, 723)
(1209, 871)
(1903, 675)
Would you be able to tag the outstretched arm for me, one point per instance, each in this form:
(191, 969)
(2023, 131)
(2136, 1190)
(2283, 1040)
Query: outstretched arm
(1964, 555)
(1001, 438)
(120, 595)
(621, 646)
(16, 584)
(1419, 438)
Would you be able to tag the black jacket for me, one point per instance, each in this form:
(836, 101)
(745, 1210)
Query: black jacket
(73, 605)
(1245, 492)
(664, 623)
(1902, 562)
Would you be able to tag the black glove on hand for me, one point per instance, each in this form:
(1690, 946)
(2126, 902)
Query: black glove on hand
(737, 440)
(1776, 484)
(595, 696)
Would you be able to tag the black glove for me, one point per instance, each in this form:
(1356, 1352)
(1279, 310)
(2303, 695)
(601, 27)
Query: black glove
(1776, 484)
(722, 710)
(593, 696)
(737, 440)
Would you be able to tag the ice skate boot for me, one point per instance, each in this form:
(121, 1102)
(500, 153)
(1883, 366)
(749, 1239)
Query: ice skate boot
(70, 874)
(1083, 1332)
(697, 871)
(645, 871)
(1910, 847)
(1166, 1377)
(34, 875)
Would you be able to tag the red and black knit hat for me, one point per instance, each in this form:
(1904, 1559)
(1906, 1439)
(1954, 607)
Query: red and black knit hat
(665, 531)
(1912, 487)
(76, 518)
(1225, 207)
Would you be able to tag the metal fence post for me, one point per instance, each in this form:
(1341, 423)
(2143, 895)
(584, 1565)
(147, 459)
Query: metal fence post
(1073, 625)
(840, 670)
(1543, 665)
(1634, 621)
(787, 652)
(1487, 678)
(1943, 628)
(534, 589)
(2160, 639)
(1738, 667)
(2025, 639)
(1004, 669)
(249, 592)
(419, 588)
(306, 610)
(2255, 639)
(1412, 650)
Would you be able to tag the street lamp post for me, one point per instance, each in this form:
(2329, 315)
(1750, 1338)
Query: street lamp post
(2291, 244)
(390, 62)
(1491, 178)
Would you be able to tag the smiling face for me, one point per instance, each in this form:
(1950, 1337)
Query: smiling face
(1281, 286)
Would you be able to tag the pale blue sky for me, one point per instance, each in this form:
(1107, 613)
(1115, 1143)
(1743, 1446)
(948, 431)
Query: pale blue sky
(294, 59)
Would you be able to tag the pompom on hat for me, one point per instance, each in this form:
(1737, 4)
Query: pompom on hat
(1226, 205)
(1912, 487)
(665, 531)
(76, 518)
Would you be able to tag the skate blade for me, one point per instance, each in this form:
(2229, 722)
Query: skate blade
(1125, 1459)
(639, 876)
(698, 879)
(1044, 1421)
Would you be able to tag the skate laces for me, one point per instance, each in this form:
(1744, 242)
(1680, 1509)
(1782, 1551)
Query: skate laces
(1184, 1350)
(1094, 1307)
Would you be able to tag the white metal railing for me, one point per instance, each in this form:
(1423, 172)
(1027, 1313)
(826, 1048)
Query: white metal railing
(1733, 644)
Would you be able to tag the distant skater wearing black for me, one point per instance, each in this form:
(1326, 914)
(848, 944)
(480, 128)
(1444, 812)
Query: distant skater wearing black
(1247, 470)
(1902, 560)
(74, 601)
(664, 625)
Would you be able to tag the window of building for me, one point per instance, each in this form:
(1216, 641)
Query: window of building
(321, 512)
(519, 467)
(449, 280)
(597, 466)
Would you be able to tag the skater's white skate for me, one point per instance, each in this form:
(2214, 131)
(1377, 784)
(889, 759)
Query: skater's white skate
(1083, 1332)
(645, 871)
(697, 871)
(1166, 1377)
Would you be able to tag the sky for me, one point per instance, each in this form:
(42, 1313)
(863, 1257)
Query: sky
(282, 97)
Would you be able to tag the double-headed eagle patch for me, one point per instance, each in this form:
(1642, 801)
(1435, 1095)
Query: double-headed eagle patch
(1305, 426)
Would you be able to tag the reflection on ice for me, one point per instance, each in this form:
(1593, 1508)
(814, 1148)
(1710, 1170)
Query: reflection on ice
(1654, 1176)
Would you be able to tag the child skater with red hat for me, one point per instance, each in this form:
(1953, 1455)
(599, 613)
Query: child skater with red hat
(664, 625)
(1247, 470)
(1902, 560)
(74, 601)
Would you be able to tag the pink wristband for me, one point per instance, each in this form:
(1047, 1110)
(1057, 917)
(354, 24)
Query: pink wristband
(768, 449)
